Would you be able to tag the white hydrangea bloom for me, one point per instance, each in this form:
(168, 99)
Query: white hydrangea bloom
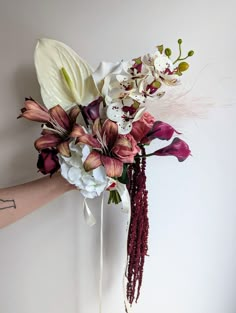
(91, 184)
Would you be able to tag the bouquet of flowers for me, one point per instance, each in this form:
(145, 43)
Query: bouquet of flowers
(95, 129)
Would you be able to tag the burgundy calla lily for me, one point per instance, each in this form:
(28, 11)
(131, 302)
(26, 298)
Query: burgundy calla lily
(177, 148)
(160, 130)
(92, 111)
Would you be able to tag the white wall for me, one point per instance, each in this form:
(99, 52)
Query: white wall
(49, 261)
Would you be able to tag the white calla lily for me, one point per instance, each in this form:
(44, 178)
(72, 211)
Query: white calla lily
(63, 76)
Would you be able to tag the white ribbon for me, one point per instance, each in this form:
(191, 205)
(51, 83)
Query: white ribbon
(91, 221)
(88, 215)
(125, 198)
(101, 255)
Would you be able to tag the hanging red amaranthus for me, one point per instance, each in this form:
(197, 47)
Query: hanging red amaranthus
(138, 231)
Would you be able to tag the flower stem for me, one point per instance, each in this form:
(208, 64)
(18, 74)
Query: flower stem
(180, 53)
(144, 155)
(114, 197)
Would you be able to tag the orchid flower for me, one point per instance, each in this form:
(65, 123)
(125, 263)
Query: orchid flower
(124, 113)
(109, 148)
(63, 76)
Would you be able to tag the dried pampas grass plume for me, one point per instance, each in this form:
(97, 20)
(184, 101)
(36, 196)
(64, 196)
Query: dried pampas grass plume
(179, 104)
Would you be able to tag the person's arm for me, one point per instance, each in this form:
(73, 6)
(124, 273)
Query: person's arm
(18, 201)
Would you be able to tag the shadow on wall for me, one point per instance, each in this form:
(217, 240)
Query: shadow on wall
(18, 136)
(25, 83)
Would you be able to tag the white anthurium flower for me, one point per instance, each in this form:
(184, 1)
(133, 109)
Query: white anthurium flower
(91, 184)
(63, 76)
(124, 113)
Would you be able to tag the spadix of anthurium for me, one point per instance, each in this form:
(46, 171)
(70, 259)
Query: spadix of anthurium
(63, 76)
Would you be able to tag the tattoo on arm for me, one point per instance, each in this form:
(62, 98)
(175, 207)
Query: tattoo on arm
(7, 204)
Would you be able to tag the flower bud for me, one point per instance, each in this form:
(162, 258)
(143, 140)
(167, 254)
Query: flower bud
(183, 66)
(168, 52)
(190, 53)
(180, 41)
(160, 48)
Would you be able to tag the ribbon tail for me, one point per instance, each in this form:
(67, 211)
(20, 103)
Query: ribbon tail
(125, 197)
(88, 215)
(101, 255)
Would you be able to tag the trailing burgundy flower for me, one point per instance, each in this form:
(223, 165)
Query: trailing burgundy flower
(48, 162)
(137, 245)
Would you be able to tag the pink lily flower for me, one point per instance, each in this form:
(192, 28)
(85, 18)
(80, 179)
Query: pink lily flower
(109, 148)
(59, 127)
(34, 111)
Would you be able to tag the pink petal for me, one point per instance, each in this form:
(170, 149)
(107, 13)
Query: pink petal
(88, 139)
(34, 111)
(92, 161)
(177, 148)
(35, 115)
(74, 112)
(113, 167)
(109, 133)
(77, 131)
(47, 141)
(30, 104)
(63, 148)
(125, 148)
(97, 127)
(61, 117)
(141, 127)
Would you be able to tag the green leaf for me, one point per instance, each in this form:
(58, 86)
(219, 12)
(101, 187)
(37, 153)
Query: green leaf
(124, 179)
(160, 48)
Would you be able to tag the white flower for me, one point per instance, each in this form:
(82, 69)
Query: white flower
(136, 68)
(124, 113)
(91, 184)
(166, 69)
(63, 76)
